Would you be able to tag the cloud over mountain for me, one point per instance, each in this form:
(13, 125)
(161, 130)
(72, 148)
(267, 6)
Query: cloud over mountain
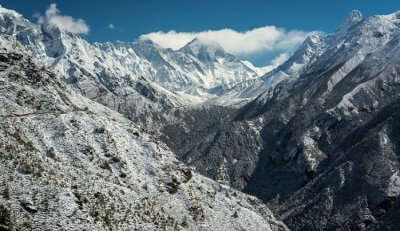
(64, 22)
(246, 43)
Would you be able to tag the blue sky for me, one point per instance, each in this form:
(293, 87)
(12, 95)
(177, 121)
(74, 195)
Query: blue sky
(132, 19)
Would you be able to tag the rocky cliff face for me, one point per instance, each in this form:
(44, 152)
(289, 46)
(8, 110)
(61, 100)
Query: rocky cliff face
(68, 163)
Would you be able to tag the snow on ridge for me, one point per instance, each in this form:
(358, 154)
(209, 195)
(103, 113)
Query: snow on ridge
(5, 11)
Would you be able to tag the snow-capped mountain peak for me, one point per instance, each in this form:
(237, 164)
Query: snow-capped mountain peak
(354, 17)
(344, 50)
(204, 49)
(312, 47)
(11, 22)
(198, 69)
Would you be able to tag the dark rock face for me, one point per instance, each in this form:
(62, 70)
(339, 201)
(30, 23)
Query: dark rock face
(358, 187)
(389, 216)
(331, 149)
(218, 147)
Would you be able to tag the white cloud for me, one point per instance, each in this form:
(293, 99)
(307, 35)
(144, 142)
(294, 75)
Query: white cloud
(64, 22)
(247, 43)
(274, 63)
(111, 26)
(280, 59)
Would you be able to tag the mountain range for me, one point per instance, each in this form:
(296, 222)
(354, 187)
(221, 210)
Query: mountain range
(129, 135)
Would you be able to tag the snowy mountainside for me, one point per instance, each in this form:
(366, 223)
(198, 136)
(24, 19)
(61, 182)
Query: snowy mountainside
(354, 39)
(326, 138)
(245, 91)
(344, 50)
(69, 163)
(330, 134)
(303, 57)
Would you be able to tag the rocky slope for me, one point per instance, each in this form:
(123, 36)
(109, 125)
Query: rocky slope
(325, 137)
(68, 163)
(330, 140)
